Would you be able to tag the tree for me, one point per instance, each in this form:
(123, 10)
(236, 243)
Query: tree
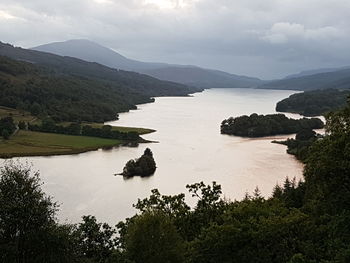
(35, 109)
(96, 240)
(26, 213)
(22, 125)
(143, 166)
(5, 134)
(152, 238)
(327, 168)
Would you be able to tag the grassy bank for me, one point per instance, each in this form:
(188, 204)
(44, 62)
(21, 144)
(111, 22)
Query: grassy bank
(28, 143)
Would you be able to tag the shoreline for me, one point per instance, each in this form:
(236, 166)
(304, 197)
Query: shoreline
(36, 144)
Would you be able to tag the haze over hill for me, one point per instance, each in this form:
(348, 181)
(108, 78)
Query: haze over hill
(185, 74)
(339, 79)
(315, 71)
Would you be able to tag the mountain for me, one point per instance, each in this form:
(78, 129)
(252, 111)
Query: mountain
(189, 75)
(70, 89)
(315, 71)
(338, 80)
(93, 52)
(314, 102)
(138, 83)
(204, 78)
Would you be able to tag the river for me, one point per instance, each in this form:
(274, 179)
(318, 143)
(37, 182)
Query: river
(189, 149)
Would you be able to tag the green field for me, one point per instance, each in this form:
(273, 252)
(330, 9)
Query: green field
(140, 131)
(27, 143)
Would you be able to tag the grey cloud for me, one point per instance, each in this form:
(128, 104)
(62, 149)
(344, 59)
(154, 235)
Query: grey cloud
(268, 38)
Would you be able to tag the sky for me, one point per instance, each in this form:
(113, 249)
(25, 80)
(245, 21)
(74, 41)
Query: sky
(262, 38)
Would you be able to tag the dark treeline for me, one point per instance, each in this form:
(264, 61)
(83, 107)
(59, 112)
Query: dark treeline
(314, 103)
(302, 222)
(143, 166)
(300, 146)
(265, 125)
(7, 127)
(106, 131)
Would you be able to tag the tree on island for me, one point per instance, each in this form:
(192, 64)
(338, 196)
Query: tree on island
(266, 125)
(143, 166)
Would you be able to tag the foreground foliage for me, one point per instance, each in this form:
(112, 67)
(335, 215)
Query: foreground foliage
(306, 221)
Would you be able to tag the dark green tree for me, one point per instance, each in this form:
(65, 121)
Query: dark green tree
(26, 214)
(5, 134)
(96, 240)
(152, 238)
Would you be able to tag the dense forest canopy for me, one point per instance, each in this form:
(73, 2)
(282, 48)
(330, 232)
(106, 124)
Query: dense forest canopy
(265, 125)
(314, 103)
(302, 222)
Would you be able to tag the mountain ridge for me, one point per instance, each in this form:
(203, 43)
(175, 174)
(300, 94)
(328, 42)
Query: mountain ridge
(184, 74)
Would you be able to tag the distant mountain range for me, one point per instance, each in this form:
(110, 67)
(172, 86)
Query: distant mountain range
(337, 79)
(189, 75)
(315, 71)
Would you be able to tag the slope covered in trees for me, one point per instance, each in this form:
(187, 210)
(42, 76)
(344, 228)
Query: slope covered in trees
(265, 125)
(314, 103)
(66, 97)
(69, 89)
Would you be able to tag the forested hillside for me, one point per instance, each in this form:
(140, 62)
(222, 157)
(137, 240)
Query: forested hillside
(135, 82)
(314, 103)
(71, 89)
(63, 97)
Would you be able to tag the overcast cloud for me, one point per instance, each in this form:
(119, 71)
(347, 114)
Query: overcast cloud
(264, 38)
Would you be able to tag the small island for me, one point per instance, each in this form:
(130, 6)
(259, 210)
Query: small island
(143, 166)
(267, 125)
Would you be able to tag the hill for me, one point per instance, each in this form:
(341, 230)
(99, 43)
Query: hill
(315, 71)
(94, 52)
(315, 102)
(135, 82)
(338, 80)
(203, 78)
(70, 89)
(189, 75)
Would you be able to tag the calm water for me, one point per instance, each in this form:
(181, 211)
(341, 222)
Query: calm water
(190, 149)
